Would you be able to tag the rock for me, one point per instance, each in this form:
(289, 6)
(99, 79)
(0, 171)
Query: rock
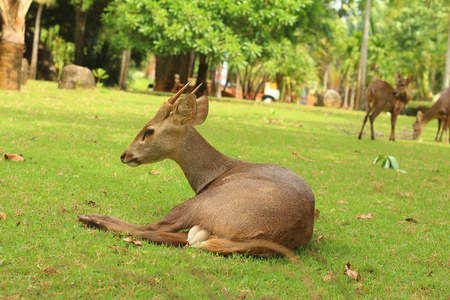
(331, 98)
(74, 76)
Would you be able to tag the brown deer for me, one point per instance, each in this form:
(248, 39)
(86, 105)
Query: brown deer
(382, 96)
(441, 111)
(259, 209)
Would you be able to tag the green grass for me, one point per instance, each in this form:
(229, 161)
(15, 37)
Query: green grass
(72, 140)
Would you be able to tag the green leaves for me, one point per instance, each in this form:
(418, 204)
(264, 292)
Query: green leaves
(388, 162)
(100, 74)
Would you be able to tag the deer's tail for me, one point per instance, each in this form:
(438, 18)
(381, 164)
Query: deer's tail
(253, 247)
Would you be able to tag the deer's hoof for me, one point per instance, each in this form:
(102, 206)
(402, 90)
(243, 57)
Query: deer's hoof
(83, 218)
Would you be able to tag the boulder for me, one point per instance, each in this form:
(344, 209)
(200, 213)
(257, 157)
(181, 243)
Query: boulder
(74, 76)
(331, 98)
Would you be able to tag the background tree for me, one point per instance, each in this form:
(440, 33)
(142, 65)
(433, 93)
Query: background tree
(240, 32)
(361, 85)
(37, 29)
(13, 14)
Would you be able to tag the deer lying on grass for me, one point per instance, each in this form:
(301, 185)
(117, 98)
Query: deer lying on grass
(441, 111)
(382, 96)
(259, 209)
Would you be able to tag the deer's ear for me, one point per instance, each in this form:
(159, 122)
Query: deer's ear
(397, 76)
(202, 110)
(186, 110)
(410, 78)
(419, 116)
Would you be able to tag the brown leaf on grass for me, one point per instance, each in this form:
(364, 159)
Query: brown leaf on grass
(298, 155)
(358, 293)
(412, 220)
(350, 273)
(368, 216)
(2, 215)
(119, 248)
(316, 214)
(319, 238)
(13, 157)
(406, 195)
(133, 241)
(154, 172)
(63, 210)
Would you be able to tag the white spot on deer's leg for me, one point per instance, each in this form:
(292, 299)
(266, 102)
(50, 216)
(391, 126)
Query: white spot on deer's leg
(197, 235)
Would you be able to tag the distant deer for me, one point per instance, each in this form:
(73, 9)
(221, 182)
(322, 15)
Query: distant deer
(382, 96)
(441, 111)
(259, 209)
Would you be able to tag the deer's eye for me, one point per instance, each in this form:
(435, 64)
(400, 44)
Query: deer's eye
(148, 132)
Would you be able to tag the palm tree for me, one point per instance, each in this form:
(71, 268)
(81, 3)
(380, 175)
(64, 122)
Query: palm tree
(360, 92)
(12, 42)
(447, 65)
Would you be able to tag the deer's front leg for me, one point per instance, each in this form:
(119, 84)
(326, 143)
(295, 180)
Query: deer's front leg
(106, 223)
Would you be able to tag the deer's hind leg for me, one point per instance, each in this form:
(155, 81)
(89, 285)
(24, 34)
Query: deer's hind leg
(106, 223)
(375, 112)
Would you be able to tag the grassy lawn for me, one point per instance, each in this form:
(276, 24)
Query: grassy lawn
(72, 140)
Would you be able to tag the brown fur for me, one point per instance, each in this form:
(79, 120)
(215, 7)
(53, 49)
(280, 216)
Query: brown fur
(260, 209)
(441, 111)
(382, 96)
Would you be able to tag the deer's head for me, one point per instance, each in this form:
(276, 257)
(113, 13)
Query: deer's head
(401, 86)
(163, 135)
(418, 126)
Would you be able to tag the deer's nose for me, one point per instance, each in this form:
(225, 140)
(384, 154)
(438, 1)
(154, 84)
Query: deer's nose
(122, 157)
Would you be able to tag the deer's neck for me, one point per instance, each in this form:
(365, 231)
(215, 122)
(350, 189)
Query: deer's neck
(200, 162)
(430, 114)
(405, 96)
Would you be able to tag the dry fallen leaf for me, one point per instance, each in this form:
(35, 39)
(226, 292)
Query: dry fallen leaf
(319, 238)
(316, 214)
(133, 241)
(412, 220)
(119, 248)
(406, 195)
(13, 157)
(298, 155)
(358, 293)
(3, 215)
(352, 274)
(368, 216)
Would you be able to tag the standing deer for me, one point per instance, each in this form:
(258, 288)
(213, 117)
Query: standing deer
(259, 209)
(441, 111)
(382, 96)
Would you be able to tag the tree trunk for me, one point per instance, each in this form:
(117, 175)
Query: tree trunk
(238, 85)
(167, 66)
(201, 75)
(218, 79)
(347, 88)
(34, 53)
(126, 55)
(151, 69)
(192, 57)
(352, 96)
(325, 80)
(447, 64)
(360, 101)
(12, 42)
(80, 27)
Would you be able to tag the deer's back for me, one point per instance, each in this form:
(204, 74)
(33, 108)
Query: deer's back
(381, 93)
(260, 201)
